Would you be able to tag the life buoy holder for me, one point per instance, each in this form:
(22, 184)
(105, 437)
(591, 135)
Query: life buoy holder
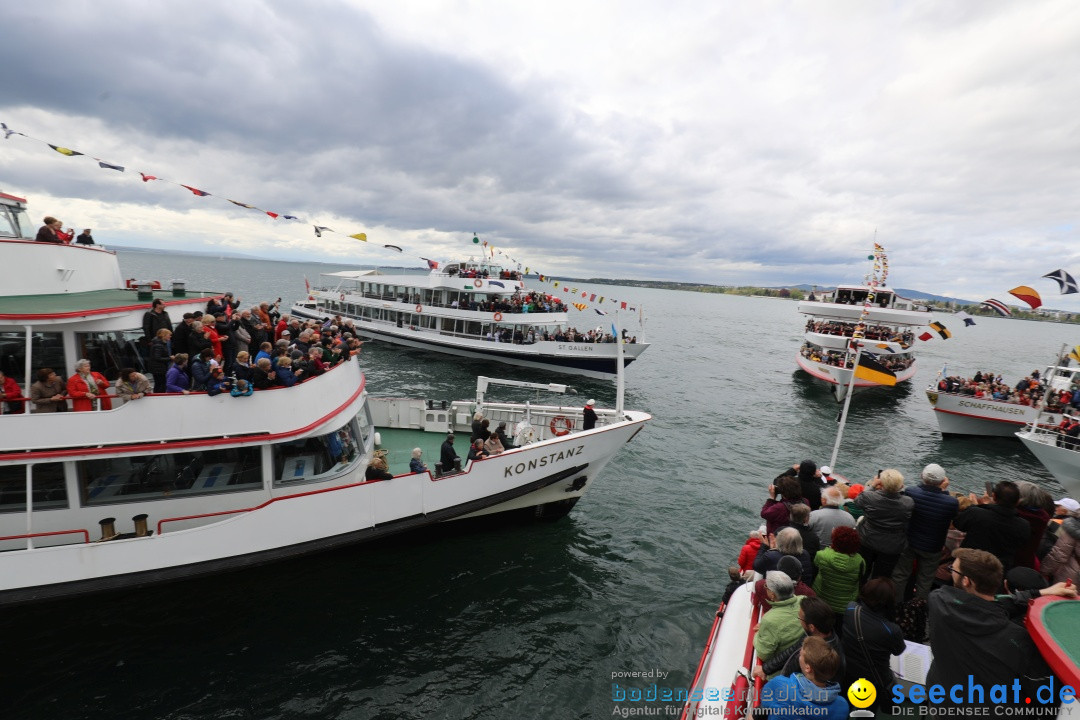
(498, 317)
(478, 283)
(342, 297)
(561, 425)
(419, 307)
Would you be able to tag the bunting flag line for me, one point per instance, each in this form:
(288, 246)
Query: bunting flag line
(196, 191)
(109, 166)
(1001, 308)
(1028, 295)
(362, 237)
(243, 205)
(871, 370)
(599, 311)
(8, 132)
(582, 307)
(941, 330)
(1065, 280)
(391, 247)
(319, 230)
(968, 320)
(147, 178)
(925, 336)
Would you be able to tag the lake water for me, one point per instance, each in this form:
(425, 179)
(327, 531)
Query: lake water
(525, 621)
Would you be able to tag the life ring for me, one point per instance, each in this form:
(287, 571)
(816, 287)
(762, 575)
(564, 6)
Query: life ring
(560, 421)
(342, 297)
(419, 307)
(478, 283)
(498, 317)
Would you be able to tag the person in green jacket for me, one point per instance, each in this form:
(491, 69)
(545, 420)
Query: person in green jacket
(780, 626)
(840, 566)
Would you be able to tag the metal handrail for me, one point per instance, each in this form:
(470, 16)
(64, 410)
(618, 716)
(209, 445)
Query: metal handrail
(26, 536)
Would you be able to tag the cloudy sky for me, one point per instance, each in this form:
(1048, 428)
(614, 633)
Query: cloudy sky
(734, 143)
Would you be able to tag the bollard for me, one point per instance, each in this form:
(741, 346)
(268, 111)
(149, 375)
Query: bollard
(140, 525)
(108, 528)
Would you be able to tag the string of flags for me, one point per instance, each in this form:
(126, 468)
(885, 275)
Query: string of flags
(587, 296)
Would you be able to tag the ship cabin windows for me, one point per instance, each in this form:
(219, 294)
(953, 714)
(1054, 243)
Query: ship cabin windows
(109, 352)
(46, 348)
(851, 296)
(14, 222)
(318, 458)
(49, 491)
(110, 480)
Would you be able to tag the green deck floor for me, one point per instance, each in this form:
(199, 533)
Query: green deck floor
(399, 444)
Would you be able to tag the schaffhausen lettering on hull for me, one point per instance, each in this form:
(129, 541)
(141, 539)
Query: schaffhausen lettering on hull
(542, 461)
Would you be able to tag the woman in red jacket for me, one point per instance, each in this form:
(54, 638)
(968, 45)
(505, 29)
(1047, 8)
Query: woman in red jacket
(11, 395)
(85, 386)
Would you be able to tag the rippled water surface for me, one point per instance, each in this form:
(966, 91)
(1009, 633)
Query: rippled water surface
(499, 622)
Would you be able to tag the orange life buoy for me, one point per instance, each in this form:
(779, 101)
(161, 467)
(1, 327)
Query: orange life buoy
(342, 297)
(561, 425)
(478, 283)
(498, 317)
(419, 307)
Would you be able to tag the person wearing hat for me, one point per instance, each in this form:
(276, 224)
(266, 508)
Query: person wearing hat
(589, 415)
(827, 476)
(448, 457)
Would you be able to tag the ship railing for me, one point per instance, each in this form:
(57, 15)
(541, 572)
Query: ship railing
(29, 537)
(548, 421)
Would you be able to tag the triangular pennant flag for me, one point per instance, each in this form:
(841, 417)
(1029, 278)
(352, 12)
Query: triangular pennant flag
(109, 166)
(319, 229)
(271, 214)
(1028, 295)
(1065, 280)
(243, 205)
(580, 306)
(8, 132)
(64, 151)
(196, 191)
(359, 236)
(290, 217)
(147, 178)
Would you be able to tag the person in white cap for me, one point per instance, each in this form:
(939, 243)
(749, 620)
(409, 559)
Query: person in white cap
(826, 476)
(934, 509)
(589, 416)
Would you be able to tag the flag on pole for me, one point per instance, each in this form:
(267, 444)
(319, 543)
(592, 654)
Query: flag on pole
(1065, 280)
(1000, 307)
(432, 265)
(871, 370)
(1028, 295)
(941, 330)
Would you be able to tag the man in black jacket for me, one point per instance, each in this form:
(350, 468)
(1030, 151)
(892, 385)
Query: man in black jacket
(934, 510)
(995, 527)
(971, 635)
(448, 456)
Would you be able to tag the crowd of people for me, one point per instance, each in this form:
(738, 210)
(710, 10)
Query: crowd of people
(1028, 391)
(838, 358)
(53, 232)
(870, 332)
(852, 571)
(224, 349)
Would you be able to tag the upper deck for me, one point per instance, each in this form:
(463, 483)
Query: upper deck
(847, 302)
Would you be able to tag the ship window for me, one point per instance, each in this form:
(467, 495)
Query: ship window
(111, 480)
(46, 348)
(109, 352)
(49, 489)
(312, 459)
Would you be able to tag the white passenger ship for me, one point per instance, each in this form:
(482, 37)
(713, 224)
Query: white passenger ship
(471, 309)
(833, 315)
(171, 486)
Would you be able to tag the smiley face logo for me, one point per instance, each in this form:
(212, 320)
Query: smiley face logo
(862, 693)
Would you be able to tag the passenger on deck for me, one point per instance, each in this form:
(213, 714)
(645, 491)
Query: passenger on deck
(476, 450)
(800, 517)
(181, 335)
(933, 512)
(830, 516)
(870, 637)
(787, 542)
(1062, 563)
(51, 232)
(492, 446)
(416, 465)
(777, 512)
(213, 337)
(749, 551)
(811, 693)
(47, 393)
(478, 429)
(11, 397)
(884, 529)
(285, 377)
(243, 369)
(500, 432)
(995, 526)
(160, 357)
(780, 626)
(377, 469)
(155, 319)
(840, 568)
(264, 375)
(200, 369)
(448, 456)
(589, 416)
(132, 385)
(1035, 505)
(177, 379)
(86, 386)
(85, 238)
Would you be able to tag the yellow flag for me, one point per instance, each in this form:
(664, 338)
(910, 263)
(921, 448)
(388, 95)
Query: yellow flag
(362, 237)
(1075, 354)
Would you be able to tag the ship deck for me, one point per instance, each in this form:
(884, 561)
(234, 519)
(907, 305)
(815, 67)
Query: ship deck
(399, 443)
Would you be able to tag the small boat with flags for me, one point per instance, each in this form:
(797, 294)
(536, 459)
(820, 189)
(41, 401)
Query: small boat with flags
(475, 309)
(868, 326)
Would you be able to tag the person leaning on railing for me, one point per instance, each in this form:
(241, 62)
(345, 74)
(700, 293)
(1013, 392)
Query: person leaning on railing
(86, 386)
(48, 393)
(11, 397)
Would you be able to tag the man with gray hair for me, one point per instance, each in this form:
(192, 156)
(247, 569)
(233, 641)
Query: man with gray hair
(934, 510)
(830, 515)
(780, 626)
